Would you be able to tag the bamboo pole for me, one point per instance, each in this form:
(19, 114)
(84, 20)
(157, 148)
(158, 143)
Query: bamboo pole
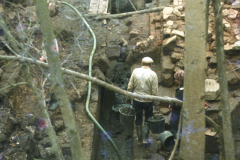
(96, 81)
(226, 113)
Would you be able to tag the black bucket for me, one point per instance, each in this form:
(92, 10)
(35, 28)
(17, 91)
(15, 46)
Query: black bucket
(167, 141)
(127, 115)
(157, 124)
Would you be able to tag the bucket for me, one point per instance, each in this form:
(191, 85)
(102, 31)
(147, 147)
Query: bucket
(167, 141)
(127, 115)
(157, 124)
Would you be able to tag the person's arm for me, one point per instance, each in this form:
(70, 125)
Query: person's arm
(130, 83)
(130, 87)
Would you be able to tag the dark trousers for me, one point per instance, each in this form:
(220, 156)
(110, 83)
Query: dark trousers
(139, 107)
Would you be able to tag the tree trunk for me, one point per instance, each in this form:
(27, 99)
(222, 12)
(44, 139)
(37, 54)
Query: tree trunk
(226, 113)
(56, 79)
(193, 123)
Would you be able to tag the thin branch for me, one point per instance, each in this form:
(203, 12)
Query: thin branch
(42, 104)
(178, 134)
(13, 85)
(132, 5)
(233, 69)
(212, 123)
(112, 16)
(96, 81)
(79, 96)
(2, 40)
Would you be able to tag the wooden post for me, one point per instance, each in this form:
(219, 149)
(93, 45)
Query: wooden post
(192, 145)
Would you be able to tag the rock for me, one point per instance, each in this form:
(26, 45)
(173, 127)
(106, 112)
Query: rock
(228, 47)
(169, 40)
(232, 78)
(164, 111)
(236, 31)
(180, 8)
(104, 62)
(216, 105)
(182, 16)
(225, 12)
(209, 54)
(180, 63)
(180, 43)
(176, 11)
(227, 25)
(151, 38)
(11, 15)
(167, 31)
(213, 60)
(236, 93)
(31, 129)
(113, 52)
(134, 33)
(98, 74)
(175, 57)
(146, 43)
(236, 45)
(168, 24)
(211, 89)
(94, 96)
(167, 66)
(212, 71)
(232, 14)
(167, 11)
(179, 33)
(213, 45)
(176, 68)
(175, 2)
(238, 37)
(209, 31)
(167, 80)
(58, 125)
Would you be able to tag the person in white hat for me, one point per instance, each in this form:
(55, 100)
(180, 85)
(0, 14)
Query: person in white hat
(143, 81)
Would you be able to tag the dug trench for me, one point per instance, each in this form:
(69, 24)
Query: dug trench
(122, 133)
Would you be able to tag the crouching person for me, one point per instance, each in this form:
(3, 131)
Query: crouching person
(143, 81)
(176, 109)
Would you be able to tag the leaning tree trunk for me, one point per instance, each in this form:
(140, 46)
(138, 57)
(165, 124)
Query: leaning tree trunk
(226, 113)
(56, 79)
(193, 123)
